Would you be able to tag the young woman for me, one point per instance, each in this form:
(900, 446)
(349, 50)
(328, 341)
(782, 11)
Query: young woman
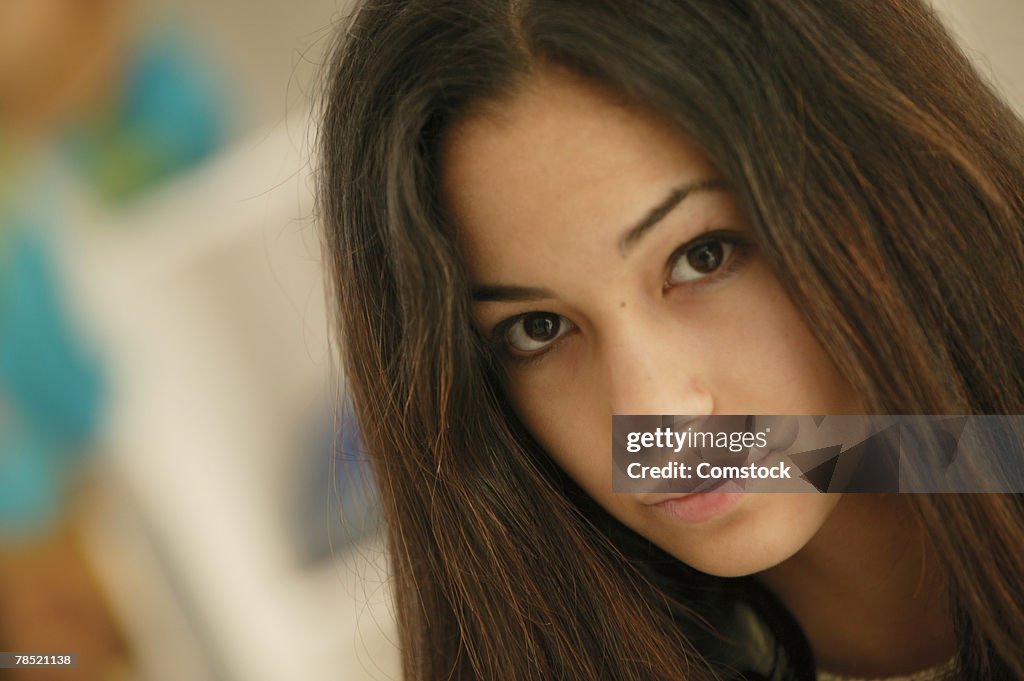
(541, 213)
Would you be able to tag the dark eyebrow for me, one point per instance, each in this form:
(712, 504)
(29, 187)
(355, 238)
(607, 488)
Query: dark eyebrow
(656, 214)
(489, 292)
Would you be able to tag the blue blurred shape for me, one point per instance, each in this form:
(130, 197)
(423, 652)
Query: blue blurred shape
(168, 115)
(50, 390)
(31, 481)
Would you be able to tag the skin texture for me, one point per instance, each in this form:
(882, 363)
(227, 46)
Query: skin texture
(542, 189)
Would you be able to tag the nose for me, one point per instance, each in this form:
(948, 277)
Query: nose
(652, 367)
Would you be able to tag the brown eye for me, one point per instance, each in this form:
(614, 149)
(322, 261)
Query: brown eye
(700, 260)
(535, 331)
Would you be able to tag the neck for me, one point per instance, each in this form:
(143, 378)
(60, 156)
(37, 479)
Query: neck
(868, 591)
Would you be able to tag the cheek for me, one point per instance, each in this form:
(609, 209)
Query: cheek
(574, 434)
(779, 366)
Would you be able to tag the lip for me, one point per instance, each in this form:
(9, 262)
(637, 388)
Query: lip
(700, 507)
(755, 456)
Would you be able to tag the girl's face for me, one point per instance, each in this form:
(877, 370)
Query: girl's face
(615, 273)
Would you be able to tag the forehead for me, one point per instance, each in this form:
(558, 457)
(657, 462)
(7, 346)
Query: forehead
(559, 162)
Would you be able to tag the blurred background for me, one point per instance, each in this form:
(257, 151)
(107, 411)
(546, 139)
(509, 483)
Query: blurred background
(181, 495)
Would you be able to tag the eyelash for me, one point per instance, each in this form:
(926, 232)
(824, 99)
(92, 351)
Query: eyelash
(740, 249)
(740, 245)
(499, 341)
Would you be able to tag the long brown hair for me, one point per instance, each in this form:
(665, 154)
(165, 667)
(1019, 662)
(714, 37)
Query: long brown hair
(884, 182)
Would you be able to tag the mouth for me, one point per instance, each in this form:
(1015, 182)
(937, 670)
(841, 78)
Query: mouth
(701, 506)
(710, 499)
(703, 486)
